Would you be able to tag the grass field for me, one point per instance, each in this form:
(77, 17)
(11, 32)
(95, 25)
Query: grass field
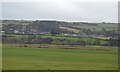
(99, 26)
(70, 29)
(85, 58)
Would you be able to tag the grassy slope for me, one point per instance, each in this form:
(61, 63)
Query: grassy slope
(99, 27)
(70, 29)
(33, 58)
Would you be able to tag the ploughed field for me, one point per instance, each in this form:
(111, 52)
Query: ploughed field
(58, 57)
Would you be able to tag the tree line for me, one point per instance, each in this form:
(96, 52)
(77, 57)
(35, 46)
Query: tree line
(58, 41)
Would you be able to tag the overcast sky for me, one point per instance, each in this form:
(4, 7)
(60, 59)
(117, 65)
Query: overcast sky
(61, 10)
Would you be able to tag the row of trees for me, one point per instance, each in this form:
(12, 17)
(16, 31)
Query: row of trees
(62, 41)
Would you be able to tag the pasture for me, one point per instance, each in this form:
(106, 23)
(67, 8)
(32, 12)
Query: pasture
(16, 57)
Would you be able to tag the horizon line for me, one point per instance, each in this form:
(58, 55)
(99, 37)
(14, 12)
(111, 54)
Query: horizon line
(60, 20)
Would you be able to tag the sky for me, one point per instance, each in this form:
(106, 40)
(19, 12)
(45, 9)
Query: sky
(61, 10)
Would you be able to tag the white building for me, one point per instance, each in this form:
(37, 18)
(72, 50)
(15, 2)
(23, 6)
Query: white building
(16, 31)
(2, 31)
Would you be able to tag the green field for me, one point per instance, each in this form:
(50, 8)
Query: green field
(82, 58)
(99, 26)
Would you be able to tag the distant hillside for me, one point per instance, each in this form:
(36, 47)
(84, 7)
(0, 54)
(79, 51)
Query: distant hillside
(45, 26)
(60, 27)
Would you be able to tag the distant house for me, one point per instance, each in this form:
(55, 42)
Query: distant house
(45, 33)
(74, 34)
(16, 31)
(69, 34)
(10, 29)
(66, 34)
(2, 31)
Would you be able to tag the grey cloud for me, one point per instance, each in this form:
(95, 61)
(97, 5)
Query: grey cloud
(70, 11)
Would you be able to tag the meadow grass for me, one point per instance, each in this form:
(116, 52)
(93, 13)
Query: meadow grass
(99, 26)
(70, 29)
(26, 58)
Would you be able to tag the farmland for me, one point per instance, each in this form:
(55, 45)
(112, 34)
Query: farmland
(59, 45)
(32, 57)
